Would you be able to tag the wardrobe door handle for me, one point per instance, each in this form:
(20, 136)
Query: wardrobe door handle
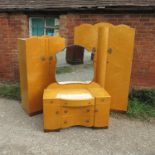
(50, 58)
(43, 58)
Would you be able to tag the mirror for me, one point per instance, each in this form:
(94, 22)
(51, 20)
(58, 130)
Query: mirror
(74, 65)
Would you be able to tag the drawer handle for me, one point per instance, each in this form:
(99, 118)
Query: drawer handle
(77, 104)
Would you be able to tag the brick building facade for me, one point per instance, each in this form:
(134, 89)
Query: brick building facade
(15, 24)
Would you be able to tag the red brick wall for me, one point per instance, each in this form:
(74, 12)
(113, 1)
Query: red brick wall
(143, 69)
(12, 26)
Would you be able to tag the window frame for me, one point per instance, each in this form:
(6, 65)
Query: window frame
(43, 17)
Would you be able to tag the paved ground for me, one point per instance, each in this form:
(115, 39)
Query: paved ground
(21, 134)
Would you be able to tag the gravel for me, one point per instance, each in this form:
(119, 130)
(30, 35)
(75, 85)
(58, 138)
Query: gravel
(21, 134)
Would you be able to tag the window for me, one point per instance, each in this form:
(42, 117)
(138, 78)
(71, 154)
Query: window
(44, 26)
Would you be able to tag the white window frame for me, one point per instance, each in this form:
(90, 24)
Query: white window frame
(30, 24)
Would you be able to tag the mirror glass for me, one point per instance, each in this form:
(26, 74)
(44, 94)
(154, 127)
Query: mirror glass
(74, 65)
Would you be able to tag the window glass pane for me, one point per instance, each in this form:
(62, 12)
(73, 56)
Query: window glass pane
(50, 22)
(49, 31)
(56, 32)
(37, 26)
(56, 22)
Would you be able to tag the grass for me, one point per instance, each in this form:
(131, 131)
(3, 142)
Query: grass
(62, 70)
(141, 102)
(11, 91)
(140, 110)
(147, 96)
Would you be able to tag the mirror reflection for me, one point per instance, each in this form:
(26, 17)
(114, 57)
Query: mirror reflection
(74, 65)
